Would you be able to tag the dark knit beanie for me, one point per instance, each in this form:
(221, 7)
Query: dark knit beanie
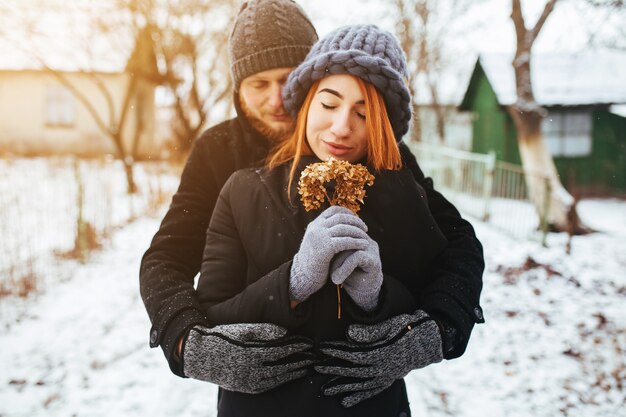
(268, 34)
(364, 51)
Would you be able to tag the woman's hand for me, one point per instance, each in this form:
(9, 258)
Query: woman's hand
(335, 230)
(361, 274)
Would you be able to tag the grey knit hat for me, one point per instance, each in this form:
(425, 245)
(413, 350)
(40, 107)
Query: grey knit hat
(268, 34)
(364, 51)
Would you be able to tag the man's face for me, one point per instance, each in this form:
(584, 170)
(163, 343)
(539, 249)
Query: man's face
(262, 102)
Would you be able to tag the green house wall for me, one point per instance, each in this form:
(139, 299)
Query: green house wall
(605, 169)
(493, 129)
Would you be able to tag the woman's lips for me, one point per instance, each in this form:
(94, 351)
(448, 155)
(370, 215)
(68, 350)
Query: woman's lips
(337, 149)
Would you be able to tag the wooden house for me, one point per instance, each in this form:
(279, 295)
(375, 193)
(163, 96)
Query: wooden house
(67, 107)
(457, 126)
(584, 96)
(39, 115)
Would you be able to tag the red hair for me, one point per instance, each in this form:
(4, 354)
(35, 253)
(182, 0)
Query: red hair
(382, 149)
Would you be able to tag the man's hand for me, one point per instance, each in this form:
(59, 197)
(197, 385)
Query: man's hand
(335, 230)
(376, 355)
(250, 358)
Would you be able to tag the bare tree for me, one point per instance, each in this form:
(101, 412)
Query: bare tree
(190, 38)
(425, 29)
(527, 115)
(606, 26)
(140, 69)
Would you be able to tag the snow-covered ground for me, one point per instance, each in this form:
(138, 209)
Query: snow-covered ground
(553, 343)
(40, 210)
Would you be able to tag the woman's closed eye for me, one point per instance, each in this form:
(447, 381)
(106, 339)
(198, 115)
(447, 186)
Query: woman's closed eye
(332, 107)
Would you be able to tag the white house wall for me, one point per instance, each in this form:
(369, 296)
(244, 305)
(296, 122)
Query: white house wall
(458, 128)
(23, 125)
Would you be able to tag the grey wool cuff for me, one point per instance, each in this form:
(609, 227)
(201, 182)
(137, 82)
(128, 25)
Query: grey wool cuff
(367, 300)
(300, 285)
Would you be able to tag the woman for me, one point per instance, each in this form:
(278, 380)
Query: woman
(274, 262)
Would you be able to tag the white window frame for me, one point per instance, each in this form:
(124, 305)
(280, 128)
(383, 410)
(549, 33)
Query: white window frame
(568, 133)
(60, 106)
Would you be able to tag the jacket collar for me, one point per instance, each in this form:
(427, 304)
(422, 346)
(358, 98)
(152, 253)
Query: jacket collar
(252, 138)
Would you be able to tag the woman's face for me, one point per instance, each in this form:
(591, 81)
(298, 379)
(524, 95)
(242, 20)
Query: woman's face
(336, 120)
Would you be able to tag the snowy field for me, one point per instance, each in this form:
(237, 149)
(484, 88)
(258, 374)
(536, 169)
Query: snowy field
(39, 209)
(553, 343)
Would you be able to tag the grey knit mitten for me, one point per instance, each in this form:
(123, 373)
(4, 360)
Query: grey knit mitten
(249, 358)
(361, 274)
(379, 354)
(335, 230)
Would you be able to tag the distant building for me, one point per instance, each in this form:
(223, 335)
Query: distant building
(585, 127)
(457, 125)
(45, 108)
(39, 115)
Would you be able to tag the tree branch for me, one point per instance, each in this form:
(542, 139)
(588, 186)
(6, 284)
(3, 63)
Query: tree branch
(547, 10)
(518, 20)
(79, 96)
(107, 96)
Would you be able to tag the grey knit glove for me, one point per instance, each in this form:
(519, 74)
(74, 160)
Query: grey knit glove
(249, 358)
(378, 354)
(335, 230)
(361, 274)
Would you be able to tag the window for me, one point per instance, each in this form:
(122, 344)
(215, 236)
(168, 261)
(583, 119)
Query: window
(60, 106)
(568, 133)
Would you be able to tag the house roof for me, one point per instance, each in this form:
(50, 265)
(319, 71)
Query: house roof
(586, 78)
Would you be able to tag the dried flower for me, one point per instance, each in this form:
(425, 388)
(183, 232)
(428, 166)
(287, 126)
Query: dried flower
(349, 189)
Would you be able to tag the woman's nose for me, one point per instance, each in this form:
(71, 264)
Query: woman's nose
(341, 124)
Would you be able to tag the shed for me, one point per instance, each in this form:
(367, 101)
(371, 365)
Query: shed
(584, 95)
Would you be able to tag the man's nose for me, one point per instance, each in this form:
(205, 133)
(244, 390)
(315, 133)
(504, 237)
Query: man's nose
(341, 126)
(275, 99)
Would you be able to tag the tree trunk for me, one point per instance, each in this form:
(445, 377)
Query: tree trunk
(540, 171)
(130, 177)
(552, 201)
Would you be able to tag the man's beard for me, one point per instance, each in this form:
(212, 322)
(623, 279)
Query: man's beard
(273, 134)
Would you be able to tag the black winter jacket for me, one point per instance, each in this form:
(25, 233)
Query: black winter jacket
(173, 259)
(254, 233)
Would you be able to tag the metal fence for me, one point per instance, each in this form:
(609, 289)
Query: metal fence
(63, 208)
(489, 190)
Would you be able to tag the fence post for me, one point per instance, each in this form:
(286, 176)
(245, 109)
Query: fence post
(81, 245)
(546, 210)
(490, 168)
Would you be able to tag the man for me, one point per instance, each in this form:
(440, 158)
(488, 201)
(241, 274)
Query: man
(269, 38)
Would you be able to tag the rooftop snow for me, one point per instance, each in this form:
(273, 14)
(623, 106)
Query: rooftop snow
(618, 109)
(594, 77)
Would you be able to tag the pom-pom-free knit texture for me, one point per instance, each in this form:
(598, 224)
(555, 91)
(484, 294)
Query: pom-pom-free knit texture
(364, 51)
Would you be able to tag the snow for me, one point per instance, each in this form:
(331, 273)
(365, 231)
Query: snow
(39, 209)
(618, 109)
(551, 344)
(591, 77)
